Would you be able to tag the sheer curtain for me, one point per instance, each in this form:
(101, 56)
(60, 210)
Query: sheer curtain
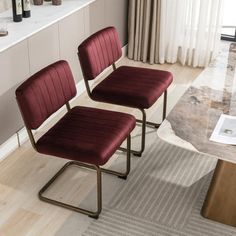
(187, 31)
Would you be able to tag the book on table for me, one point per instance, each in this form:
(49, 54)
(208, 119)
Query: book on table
(225, 130)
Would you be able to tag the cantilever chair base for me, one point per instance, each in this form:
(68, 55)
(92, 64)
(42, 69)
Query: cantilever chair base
(145, 123)
(68, 206)
(99, 170)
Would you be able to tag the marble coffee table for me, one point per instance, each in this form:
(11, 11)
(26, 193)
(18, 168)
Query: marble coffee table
(191, 122)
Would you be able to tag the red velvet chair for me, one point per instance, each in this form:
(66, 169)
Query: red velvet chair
(86, 136)
(127, 86)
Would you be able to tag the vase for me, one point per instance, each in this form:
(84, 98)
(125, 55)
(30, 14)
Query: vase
(56, 2)
(38, 2)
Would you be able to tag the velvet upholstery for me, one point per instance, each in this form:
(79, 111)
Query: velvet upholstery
(127, 86)
(87, 134)
(45, 92)
(83, 134)
(132, 86)
(99, 51)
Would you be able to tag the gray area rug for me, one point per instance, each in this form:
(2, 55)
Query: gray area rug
(163, 195)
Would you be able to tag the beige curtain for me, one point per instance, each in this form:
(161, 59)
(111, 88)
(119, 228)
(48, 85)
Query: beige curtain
(185, 31)
(143, 42)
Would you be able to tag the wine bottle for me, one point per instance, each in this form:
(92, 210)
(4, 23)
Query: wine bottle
(17, 10)
(26, 8)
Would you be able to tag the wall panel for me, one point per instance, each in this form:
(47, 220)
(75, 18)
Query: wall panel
(14, 69)
(70, 38)
(105, 13)
(44, 48)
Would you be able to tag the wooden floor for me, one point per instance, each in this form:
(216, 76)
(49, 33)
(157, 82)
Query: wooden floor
(24, 172)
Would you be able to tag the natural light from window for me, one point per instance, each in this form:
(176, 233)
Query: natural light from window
(229, 17)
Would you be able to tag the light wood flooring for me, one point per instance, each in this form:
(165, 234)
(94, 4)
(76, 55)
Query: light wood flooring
(24, 172)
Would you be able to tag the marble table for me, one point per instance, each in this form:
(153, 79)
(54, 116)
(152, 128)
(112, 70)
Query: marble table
(192, 121)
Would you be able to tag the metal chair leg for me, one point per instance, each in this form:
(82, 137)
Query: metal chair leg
(164, 106)
(143, 135)
(125, 174)
(71, 207)
(99, 183)
(145, 123)
(134, 152)
(149, 123)
(156, 125)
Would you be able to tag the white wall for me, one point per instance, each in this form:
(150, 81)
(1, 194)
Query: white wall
(5, 5)
(110, 13)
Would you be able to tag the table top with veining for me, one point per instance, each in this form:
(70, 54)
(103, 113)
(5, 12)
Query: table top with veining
(194, 117)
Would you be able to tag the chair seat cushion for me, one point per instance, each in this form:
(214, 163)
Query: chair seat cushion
(132, 86)
(87, 134)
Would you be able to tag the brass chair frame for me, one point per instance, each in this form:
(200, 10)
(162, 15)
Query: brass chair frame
(98, 169)
(143, 121)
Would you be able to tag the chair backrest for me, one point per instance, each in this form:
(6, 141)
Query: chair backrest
(45, 92)
(98, 52)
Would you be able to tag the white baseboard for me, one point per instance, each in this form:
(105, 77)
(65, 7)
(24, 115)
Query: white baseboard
(21, 136)
(9, 146)
(124, 51)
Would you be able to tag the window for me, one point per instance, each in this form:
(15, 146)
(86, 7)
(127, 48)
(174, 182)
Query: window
(228, 31)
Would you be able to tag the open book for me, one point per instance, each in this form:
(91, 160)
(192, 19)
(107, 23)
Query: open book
(225, 130)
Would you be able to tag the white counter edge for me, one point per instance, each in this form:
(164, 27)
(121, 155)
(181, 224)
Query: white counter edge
(7, 14)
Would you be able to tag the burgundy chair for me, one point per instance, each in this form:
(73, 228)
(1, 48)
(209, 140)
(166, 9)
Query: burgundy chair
(126, 86)
(86, 136)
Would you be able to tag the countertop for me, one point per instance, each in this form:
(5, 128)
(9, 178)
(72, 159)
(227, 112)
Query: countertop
(41, 17)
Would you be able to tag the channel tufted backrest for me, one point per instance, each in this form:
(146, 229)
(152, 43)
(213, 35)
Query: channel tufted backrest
(45, 92)
(99, 51)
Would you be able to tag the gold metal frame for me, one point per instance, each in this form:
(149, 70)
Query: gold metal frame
(144, 121)
(93, 214)
(68, 206)
(98, 169)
